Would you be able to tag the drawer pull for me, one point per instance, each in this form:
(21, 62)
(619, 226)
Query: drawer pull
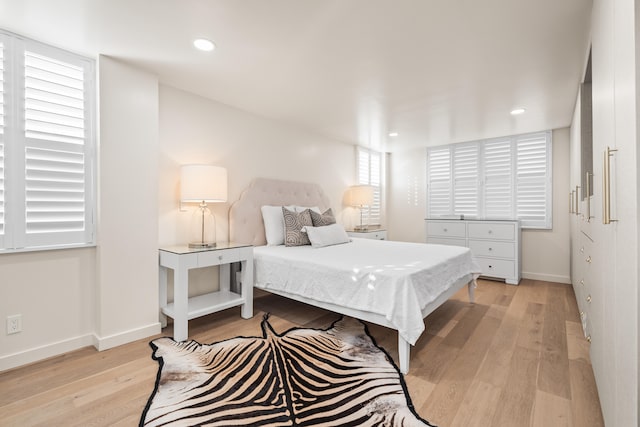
(220, 257)
(588, 259)
(490, 267)
(490, 231)
(589, 298)
(445, 230)
(589, 338)
(490, 249)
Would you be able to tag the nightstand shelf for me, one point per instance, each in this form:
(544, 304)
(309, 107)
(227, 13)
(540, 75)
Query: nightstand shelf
(206, 304)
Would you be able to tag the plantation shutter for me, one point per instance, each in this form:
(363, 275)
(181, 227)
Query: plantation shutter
(47, 146)
(375, 210)
(55, 136)
(498, 188)
(439, 182)
(370, 173)
(502, 178)
(363, 166)
(533, 180)
(465, 179)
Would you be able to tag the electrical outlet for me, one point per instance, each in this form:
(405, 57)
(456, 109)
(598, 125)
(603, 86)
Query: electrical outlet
(14, 324)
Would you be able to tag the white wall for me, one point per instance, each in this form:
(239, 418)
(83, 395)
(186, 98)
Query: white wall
(54, 293)
(127, 257)
(198, 130)
(545, 253)
(109, 294)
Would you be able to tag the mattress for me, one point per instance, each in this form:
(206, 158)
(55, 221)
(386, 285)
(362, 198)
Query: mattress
(394, 279)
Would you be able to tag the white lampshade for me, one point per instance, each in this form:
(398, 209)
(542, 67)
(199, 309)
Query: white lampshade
(203, 183)
(360, 195)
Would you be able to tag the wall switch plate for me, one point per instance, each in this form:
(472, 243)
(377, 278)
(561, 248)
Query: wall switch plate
(14, 324)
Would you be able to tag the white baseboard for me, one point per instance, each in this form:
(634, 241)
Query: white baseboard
(37, 354)
(546, 277)
(25, 357)
(110, 341)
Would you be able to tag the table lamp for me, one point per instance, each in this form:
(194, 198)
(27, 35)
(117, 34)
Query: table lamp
(360, 196)
(203, 184)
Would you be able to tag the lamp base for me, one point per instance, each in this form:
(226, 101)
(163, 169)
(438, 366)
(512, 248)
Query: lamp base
(200, 245)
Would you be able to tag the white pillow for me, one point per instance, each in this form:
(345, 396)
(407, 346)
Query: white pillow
(326, 235)
(274, 224)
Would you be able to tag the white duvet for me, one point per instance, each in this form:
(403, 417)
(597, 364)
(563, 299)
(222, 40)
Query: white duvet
(393, 279)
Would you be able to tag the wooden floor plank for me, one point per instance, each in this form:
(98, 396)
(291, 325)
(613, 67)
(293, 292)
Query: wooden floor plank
(585, 404)
(447, 312)
(577, 346)
(495, 366)
(571, 305)
(449, 393)
(475, 364)
(465, 327)
(531, 327)
(518, 394)
(421, 390)
(478, 407)
(553, 376)
(551, 410)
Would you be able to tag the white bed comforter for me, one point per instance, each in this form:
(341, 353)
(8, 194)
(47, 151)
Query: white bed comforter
(393, 279)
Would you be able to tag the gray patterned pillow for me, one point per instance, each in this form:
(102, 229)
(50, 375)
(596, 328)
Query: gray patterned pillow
(325, 218)
(293, 223)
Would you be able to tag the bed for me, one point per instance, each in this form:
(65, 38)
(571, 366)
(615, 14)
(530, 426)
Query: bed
(393, 284)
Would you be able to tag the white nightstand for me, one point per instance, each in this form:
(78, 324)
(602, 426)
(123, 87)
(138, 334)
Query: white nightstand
(181, 259)
(369, 234)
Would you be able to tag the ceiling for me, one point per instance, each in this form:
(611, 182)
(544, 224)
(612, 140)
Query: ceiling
(435, 71)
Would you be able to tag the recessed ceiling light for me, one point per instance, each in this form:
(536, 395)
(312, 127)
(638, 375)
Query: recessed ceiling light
(204, 44)
(517, 111)
(393, 134)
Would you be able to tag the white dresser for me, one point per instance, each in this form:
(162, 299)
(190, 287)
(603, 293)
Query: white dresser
(495, 245)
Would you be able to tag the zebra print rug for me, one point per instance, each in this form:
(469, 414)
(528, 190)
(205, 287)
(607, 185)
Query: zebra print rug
(302, 377)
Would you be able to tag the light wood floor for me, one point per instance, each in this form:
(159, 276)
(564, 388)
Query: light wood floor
(515, 358)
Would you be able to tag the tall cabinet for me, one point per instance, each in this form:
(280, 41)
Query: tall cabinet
(604, 255)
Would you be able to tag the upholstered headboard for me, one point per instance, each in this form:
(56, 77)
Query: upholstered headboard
(245, 216)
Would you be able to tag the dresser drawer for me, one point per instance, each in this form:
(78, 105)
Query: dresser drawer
(446, 229)
(450, 242)
(492, 249)
(494, 244)
(492, 231)
(496, 267)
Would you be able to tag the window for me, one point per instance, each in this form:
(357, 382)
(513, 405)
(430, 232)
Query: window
(501, 178)
(370, 169)
(47, 146)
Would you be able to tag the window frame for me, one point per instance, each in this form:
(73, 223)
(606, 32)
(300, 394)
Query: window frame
(15, 236)
(438, 184)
